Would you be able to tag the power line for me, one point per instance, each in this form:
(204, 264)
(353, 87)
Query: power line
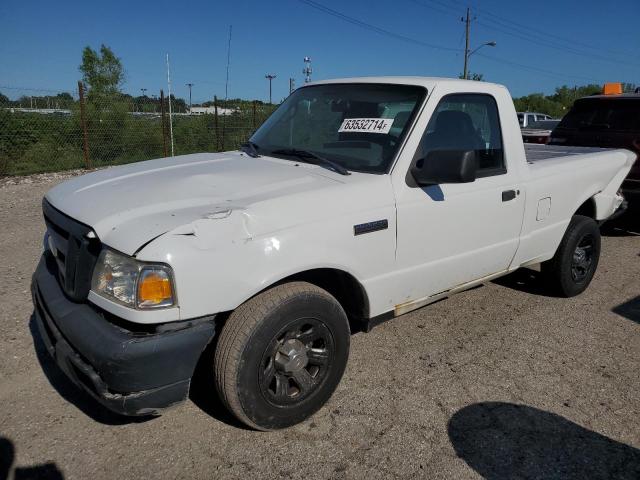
(536, 69)
(373, 28)
(355, 21)
(516, 33)
(544, 33)
(515, 29)
(226, 83)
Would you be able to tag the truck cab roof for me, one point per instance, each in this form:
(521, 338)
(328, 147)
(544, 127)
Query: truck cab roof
(427, 82)
(619, 96)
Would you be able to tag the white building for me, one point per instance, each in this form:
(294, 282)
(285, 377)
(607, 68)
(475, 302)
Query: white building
(211, 111)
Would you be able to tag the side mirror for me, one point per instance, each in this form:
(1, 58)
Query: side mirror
(445, 166)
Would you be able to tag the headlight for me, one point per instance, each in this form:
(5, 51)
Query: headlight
(133, 283)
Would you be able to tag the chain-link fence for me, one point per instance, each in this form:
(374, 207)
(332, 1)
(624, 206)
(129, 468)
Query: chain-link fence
(44, 131)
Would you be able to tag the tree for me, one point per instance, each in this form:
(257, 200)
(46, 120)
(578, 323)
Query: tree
(101, 72)
(558, 104)
(567, 95)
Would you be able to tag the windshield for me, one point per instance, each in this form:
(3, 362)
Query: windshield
(359, 126)
(603, 114)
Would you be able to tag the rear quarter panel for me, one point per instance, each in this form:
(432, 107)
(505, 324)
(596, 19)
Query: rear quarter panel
(565, 184)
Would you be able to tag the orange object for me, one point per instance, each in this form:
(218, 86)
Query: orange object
(154, 288)
(613, 88)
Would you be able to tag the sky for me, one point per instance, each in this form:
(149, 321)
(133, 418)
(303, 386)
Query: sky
(541, 44)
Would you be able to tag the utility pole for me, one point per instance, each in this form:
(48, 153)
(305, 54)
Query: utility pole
(189, 85)
(467, 53)
(465, 73)
(292, 83)
(270, 77)
(170, 112)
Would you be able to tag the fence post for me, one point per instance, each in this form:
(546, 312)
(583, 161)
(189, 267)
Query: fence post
(83, 122)
(164, 125)
(215, 122)
(224, 124)
(253, 116)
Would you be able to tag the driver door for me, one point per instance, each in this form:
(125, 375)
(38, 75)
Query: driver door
(451, 234)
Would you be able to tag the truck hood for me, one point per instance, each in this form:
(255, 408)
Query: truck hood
(130, 205)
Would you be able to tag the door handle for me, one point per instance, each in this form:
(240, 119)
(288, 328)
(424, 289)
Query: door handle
(508, 195)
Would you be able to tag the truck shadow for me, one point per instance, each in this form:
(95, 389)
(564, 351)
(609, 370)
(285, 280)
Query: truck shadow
(627, 225)
(203, 391)
(82, 400)
(46, 471)
(503, 441)
(525, 280)
(629, 309)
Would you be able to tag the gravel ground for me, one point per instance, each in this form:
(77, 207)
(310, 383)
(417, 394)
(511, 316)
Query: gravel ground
(498, 382)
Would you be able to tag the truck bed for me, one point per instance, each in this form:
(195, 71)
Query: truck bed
(536, 152)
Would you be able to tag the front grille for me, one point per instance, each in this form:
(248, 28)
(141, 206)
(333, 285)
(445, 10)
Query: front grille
(75, 254)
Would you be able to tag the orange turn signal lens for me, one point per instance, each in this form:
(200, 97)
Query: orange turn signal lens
(154, 289)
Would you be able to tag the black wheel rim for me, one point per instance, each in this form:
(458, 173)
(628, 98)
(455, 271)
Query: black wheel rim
(582, 259)
(296, 362)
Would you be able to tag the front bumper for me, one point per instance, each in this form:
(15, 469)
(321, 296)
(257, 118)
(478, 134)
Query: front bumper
(131, 373)
(619, 211)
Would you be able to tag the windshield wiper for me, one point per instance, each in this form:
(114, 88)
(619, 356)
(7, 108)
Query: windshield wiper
(250, 149)
(310, 157)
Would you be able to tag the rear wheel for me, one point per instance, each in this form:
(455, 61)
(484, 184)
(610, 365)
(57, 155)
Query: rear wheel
(281, 355)
(571, 269)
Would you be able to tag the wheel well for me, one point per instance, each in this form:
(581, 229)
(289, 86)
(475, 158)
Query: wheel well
(343, 286)
(588, 208)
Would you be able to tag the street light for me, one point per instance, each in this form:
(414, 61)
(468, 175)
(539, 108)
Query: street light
(468, 53)
(189, 85)
(270, 77)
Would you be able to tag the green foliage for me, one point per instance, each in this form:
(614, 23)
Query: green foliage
(558, 104)
(62, 100)
(101, 72)
(117, 133)
(30, 142)
(122, 128)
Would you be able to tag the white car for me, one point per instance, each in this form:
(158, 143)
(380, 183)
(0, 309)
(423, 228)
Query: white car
(358, 200)
(526, 119)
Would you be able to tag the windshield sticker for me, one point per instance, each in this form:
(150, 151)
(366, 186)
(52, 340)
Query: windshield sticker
(366, 125)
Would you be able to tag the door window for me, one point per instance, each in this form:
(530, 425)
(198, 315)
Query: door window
(467, 122)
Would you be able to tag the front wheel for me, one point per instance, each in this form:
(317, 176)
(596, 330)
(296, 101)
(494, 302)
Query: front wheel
(571, 269)
(281, 355)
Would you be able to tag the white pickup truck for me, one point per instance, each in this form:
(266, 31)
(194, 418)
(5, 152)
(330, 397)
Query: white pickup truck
(358, 200)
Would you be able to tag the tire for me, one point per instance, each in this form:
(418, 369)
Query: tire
(281, 355)
(572, 267)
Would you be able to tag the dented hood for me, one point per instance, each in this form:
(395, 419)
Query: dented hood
(130, 205)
